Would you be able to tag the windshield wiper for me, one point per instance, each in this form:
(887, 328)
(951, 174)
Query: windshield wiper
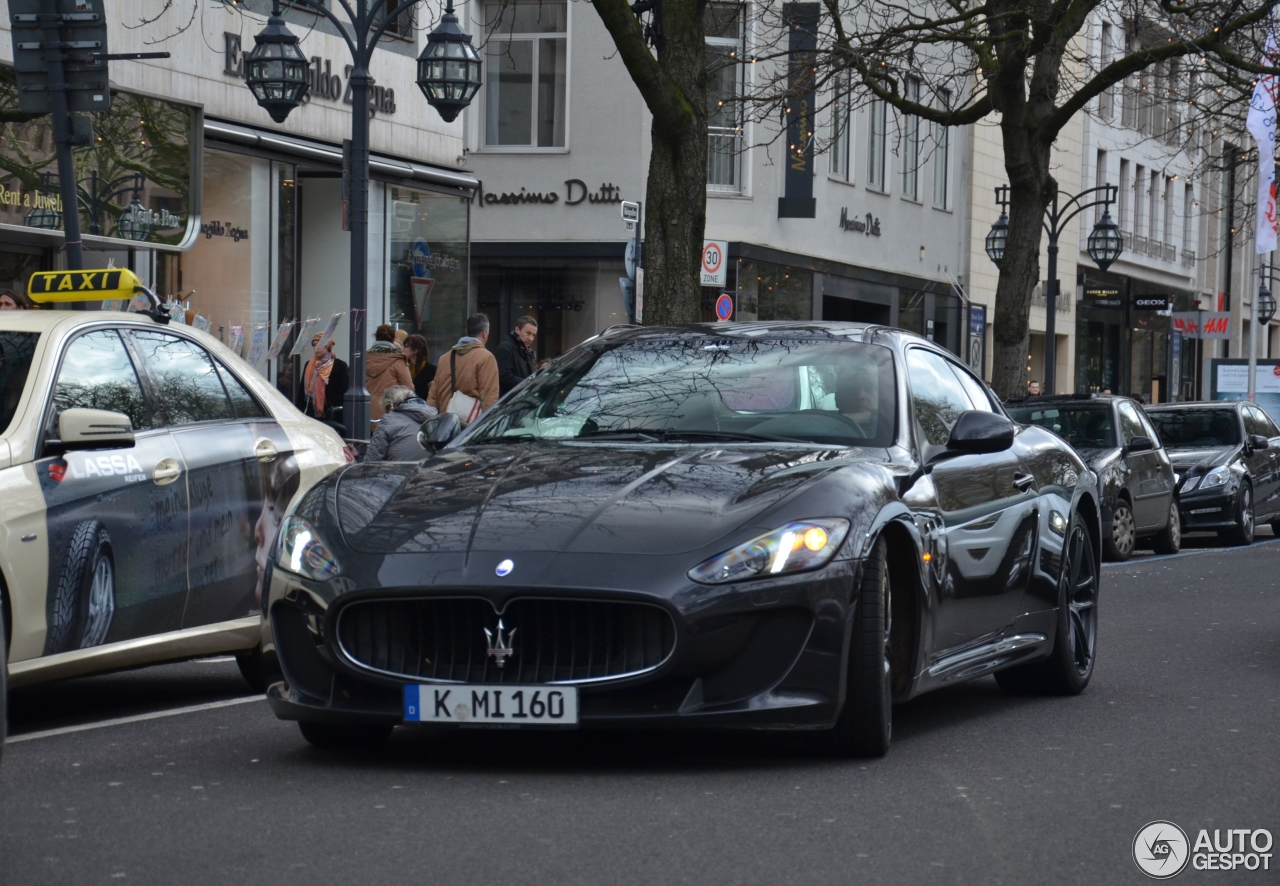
(668, 435)
(633, 436)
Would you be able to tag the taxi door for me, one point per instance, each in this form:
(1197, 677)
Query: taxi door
(116, 518)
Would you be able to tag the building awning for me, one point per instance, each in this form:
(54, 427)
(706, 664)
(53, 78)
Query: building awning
(379, 164)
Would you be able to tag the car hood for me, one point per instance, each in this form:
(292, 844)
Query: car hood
(580, 499)
(1186, 459)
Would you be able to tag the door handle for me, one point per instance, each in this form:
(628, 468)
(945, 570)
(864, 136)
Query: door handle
(264, 450)
(166, 471)
(1023, 481)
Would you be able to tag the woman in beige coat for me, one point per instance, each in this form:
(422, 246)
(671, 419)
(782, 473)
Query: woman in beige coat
(384, 365)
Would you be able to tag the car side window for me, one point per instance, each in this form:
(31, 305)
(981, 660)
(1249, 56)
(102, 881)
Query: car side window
(1256, 422)
(1269, 424)
(937, 397)
(245, 404)
(96, 373)
(977, 393)
(1149, 428)
(187, 386)
(1130, 423)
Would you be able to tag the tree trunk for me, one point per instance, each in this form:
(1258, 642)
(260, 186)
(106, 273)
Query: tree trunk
(1019, 273)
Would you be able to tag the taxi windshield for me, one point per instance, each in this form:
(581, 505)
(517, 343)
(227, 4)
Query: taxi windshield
(16, 350)
(698, 388)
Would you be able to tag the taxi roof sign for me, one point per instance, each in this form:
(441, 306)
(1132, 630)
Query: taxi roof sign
(105, 284)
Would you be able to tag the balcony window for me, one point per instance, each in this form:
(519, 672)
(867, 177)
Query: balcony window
(942, 157)
(911, 145)
(877, 134)
(840, 119)
(724, 36)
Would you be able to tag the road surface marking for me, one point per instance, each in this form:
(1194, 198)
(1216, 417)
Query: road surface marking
(136, 718)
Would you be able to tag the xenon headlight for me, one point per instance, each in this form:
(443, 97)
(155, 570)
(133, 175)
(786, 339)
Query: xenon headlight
(1216, 477)
(795, 547)
(303, 552)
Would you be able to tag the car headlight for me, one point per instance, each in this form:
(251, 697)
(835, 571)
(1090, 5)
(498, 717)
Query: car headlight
(1216, 477)
(793, 548)
(303, 552)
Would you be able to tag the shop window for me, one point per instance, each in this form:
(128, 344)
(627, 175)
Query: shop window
(773, 292)
(526, 68)
(877, 143)
(942, 157)
(911, 145)
(187, 386)
(97, 373)
(724, 34)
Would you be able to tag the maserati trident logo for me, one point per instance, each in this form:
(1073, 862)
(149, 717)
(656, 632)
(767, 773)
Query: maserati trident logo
(500, 648)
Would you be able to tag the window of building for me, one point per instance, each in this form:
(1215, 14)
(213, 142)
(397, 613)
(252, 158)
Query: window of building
(724, 33)
(942, 157)
(1123, 197)
(526, 72)
(840, 125)
(402, 26)
(1168, 210)
(877, 137)
(1099, 179)
(1153, 205)
(1106, 52)
(911, 145)
(1139, 204)
(1188, 204)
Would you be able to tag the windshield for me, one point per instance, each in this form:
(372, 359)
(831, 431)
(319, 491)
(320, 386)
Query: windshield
(1207, 429)
(16, 350)
(694, 388)
(1087, 426)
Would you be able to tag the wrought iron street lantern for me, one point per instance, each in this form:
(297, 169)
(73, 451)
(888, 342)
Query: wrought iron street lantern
(449, 68)
(44, 218)
(1266, 305)
(276, 69)
(997, 238)
(134, 222)
(1105, 243)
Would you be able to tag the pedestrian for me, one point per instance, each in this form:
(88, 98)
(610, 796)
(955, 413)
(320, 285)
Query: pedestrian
(396, 439)
(384, 366)
(516, 358)
(324, 381)
(420, 365)
(474, 368)
(11, 300)
(1033, 388)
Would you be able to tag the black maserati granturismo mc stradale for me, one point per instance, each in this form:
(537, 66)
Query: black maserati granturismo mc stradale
(750, 525)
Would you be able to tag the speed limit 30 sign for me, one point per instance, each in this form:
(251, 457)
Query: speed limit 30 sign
(713, 262)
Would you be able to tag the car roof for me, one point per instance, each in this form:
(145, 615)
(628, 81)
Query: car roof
(1199, 406)
(42, 319)
(754, 329)
(1064, 399)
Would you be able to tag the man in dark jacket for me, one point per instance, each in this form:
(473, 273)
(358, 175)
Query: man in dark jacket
(516, 358)
(397, 436)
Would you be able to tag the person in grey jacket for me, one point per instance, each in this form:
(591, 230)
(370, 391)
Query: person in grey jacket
(397, 436)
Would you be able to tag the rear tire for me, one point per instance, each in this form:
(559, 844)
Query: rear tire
(343, 737)
(85, 600)
(1069, 667)
(1242, 533)
(865, 725)
(1120, 542)
(1169, 539)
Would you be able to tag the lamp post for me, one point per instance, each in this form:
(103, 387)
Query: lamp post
(1264, 308)
(1104, 246)
(448, 74)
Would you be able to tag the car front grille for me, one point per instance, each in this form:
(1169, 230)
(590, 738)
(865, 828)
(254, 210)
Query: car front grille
(550, 640)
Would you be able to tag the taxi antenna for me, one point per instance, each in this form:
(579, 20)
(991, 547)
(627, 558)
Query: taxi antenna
(157, 311)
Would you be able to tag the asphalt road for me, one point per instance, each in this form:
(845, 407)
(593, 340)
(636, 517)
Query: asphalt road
(1180, 723)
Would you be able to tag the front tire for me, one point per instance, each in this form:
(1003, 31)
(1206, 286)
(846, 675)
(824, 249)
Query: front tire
(1169, 539)
(865, 725)
(1242, 533)
(1119, 544)
(344, 737)
(1069, 667)
(84, 603)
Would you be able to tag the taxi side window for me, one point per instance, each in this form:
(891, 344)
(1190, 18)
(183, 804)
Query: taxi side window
(1130, 423)
(97, 373)
(245, 404)
(186, 384)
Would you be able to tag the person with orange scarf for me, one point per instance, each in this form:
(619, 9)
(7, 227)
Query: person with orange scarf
(324, 380)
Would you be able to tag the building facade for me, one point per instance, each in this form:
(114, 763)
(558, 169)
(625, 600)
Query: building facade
(245, 219)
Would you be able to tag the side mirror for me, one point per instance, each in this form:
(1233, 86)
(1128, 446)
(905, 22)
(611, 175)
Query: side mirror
(1140, 444)
(1257, 441)
(977, 432)
(92, 429)
(438, 431)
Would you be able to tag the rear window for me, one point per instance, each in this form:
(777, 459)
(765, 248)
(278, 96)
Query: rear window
(16, 351)
(1201, 429)
(1084, 426)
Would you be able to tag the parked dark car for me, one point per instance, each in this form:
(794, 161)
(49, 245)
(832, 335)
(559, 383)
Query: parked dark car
(1135, 474)
(1227, 455)
(748, 525)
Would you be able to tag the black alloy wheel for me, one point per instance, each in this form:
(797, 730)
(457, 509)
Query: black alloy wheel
(865, 725)
(1069, 667)
(1169, 539)
(1242, 532)
(345, 737)
(1119, 545)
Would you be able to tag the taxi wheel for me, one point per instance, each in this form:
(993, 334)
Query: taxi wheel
(345, 737)
(85, 601)
(4, 694)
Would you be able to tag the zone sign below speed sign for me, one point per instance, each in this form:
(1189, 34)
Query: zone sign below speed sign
(713, 262)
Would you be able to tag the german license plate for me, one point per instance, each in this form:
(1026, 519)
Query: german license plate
(508, 705)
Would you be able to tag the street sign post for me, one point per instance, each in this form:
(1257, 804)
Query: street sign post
(60, 46)
(724, 307)
(714, 262)
(633, 259)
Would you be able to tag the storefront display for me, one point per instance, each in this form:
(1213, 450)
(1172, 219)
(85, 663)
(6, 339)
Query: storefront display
(427, 265)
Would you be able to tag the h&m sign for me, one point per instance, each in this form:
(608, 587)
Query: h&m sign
(321, 81)
(1202, 324)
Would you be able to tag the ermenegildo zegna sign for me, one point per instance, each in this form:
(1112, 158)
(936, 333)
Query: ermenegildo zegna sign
(321, 79)
(140, 166)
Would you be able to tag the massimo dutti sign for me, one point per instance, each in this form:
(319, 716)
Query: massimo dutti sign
(576, 193)
(321, 79)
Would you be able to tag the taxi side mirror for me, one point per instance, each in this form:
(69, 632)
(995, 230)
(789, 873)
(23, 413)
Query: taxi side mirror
(92, 429)
(438, 430)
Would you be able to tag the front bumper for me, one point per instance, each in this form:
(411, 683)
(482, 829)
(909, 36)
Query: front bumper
(768, 655)
(1216, 510)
